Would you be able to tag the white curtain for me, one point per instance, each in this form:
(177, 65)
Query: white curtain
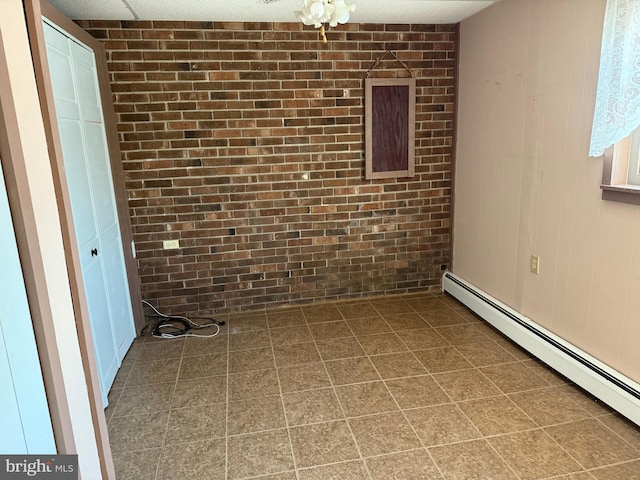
(617, 111)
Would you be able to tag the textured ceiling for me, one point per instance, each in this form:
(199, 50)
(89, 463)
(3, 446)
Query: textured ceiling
(367, 11)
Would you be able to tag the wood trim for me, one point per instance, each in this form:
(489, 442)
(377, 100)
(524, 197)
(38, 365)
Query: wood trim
(614, 193)
(615, 168)
(371, 173)
(24, 222)
(454, 144)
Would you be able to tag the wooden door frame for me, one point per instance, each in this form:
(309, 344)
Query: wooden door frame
(35, 10)
(14, 164)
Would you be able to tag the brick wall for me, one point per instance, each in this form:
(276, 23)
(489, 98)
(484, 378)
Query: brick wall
(245, 142)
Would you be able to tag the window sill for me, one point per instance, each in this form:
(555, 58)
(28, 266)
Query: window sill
(621, 193)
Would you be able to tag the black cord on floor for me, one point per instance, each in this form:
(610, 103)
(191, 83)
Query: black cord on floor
(170, 326)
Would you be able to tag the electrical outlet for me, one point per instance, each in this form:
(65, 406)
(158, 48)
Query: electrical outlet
(171, 244)
(535, 264)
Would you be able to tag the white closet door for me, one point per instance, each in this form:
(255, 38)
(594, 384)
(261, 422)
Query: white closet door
(25, 427)
(86, 162)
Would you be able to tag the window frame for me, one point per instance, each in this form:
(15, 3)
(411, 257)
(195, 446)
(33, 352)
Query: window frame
(616, 171)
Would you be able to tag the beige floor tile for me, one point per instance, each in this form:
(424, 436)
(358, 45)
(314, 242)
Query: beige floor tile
(443, 318)
(468, 315)
(256, 414)
(426, 302)
(412, 465)
(448, 300)
(422, 339)
(326, 382)
(369, 325)
(623, 427)
(200, 460)
(351, 370)
(440, 424)
(471, 460)
(290, 335)
(312, 406)
(322, 443)
(406, 321)
(381, 343)
(200, 391)
(357, 310)
(161, 350)
(365, 399)
(336, 348)
(383, 433)
(322, 313)
(397, 365)
(592, 444)
(534, 454)
(514, 377)
(625, 471)
(259, 454)
(546, 373)
(443, 359)
(249, 339)
(466, 384)
(249, 360)
(514, 349)
(243, 322)
(416, 392)
(549, 406)
(287, 355)
(339, 471)
(285, 318)
(190, 424)
(463, 334)
(483, 354)
(144, 399)
(123, 373)
(203, 366)
(306, 376)
(205, 346)
(576, 476)
(496, 415)
(256, 383)
(157, 371)
(136, 464)
(391, 307)
(592, 405)
(278, 476)
(133, 431)
(112, 398)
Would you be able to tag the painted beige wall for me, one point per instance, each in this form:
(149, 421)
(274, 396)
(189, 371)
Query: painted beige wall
(525, 185)
(43, 203)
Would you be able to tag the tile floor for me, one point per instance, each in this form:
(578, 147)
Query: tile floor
(404, 387)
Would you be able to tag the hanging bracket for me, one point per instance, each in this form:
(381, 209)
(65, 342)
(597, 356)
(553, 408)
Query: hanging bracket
(381, 57)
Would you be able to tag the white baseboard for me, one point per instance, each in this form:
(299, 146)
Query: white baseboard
(616, 390)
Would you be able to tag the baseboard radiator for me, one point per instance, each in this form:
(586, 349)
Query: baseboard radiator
(611, 387)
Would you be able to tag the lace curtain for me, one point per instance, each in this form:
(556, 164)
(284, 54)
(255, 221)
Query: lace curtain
(617, 111)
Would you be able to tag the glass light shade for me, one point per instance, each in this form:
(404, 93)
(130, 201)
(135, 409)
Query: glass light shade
(319, 12)
(341, 12)
(316, 10)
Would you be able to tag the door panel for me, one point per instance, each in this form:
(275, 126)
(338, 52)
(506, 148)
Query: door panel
(101, 183)
(77, 175)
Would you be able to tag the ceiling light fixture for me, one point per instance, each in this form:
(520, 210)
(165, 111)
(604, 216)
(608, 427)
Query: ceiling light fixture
(319, 12)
